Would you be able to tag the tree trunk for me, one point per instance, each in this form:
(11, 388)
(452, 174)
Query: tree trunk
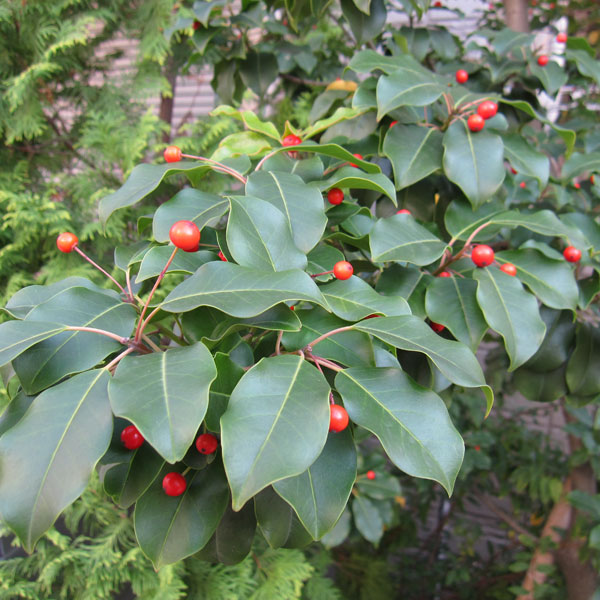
(165, 112)
(516, 15)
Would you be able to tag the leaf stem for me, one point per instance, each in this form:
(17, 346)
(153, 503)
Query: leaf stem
(278, 343)
(113, 363)
(114, 336)
(323, 273)
(266, 157)
(444, 263)
(86, 257)
(151, 343)
(310, 346)
(218, 167)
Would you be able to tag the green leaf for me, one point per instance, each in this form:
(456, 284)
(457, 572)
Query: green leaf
(541, 388)
(165, 395)
(544, 222)
(415, 152)
(367, 519)
(301, 204)
(474, 161)
(282, 439)
(461, 219)
(452, 302)
(355, 299)
(580, 163)
(73, 351)
(552, 281)
(410, 421)
(552, 76)
(401, 238)
(228, 375)
(156, 258)
(16, 408)
(367, 61)
(383, 487)
(142, 181)
(126, 482)
(349, 177)
(322, 259)
(250, 120)
(340, 532)
(335, 124)
(45, 463)
(409, 85)
(365, 26)
(189, 204)
(258, 70)
(17, 336)
(510, 311)
(247, 143)
(168, 528)
(259, 236)
(319, 495)
(586, 64)
(583, 376)
(351, 348)
(456, 362)
(525, 159)
(241, 291)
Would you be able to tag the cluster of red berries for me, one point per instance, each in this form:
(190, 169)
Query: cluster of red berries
(486, 110)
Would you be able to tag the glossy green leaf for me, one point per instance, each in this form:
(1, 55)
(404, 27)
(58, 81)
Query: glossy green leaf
(241, 291)
(143, 180)
(319, 495)
(258, 70)
(411, 422)
(189, 204)
(583, 375)
(452, 302)
(582, 230)
(552, 281)
(453, 359)
(383, 487)
(350, 348)
(580, 163)
(340, 531)
(350, 177)
(16, 408)
(510, 311)
(250, 120)
(367, 61)
(401, 238)
(247, 143)
(552, 76)
(525, 159)
(461, 219)
(301, 204)
(474, 161)
(168, 528)
(228, 375)
(17, 336)
(73, 351)
(259, 236)
(45, 463)
(165, 395)
(365, 26)
(156, 258)
(288, 433)
(322, 259)
(336, 124)
(414, 151)
(354, 299)
(367, 519)
(544, 222)
(541, 388)
(587, 65)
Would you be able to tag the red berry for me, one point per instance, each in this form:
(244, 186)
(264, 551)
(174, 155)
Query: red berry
(66, 241)
(592, 179)
(403, 211)
(291, 140)
(185, 235)
(572, 254)
(475, 123)
(522, 185)
(196, 25)
(487, 109)
(542, 60)
(292, 308)
(509, 269)
(338, 418)
(461, 76)
(335, 196)
(172, 154)
(359, 156)
(343, 270)
(437, 4)
(437, 327)
(206, 443)
(577, 185)
(131, 437)
(174, 484)
(513, 171)
(444, 274)
(371, 475)
(561, 38)
(482, 255)
(393, 123)
(222, 256)
(478, 448)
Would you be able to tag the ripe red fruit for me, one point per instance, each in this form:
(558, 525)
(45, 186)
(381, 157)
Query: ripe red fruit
(343, 270)
(206, 443)
(437, 4)
(482, 255)
(291, 140)
(461, 76)
(338, 418)
(359, 156)
(509, 269)
(437, 327)
(522, 185)
(513, 171)
(196, 25)
(174, 484)
(444, 274)
(542, 60)
(66, 242)
(222, 256)
(475, 123)
(172, 154)
(335, 196)
(185, 235)
(131, 437)
(371, 475)
(592, 179)
(403, 211)
(577, 185)
(478, 448)
(572, 254)
(561, 38)
(487, 109)
(393, 123)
